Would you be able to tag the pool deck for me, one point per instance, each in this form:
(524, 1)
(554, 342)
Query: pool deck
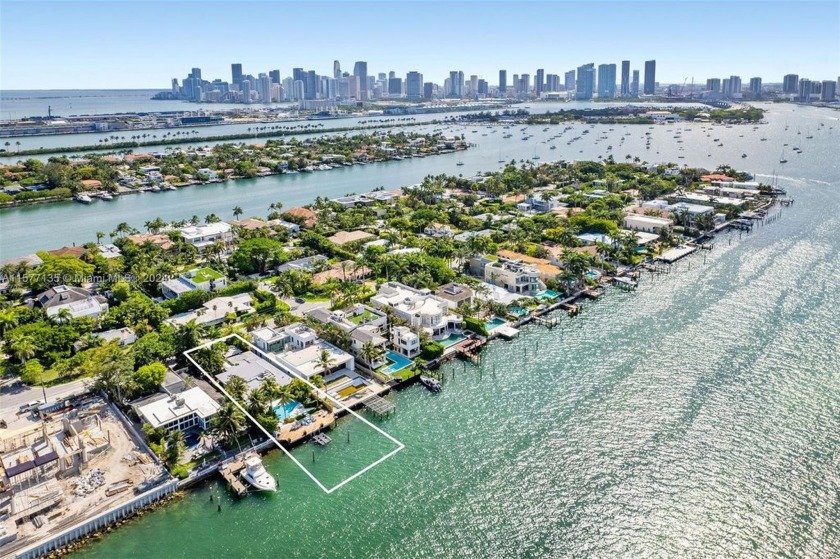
(291, 436)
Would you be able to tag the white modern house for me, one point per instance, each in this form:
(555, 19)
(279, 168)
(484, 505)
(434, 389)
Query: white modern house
(646, 223)
(298, 349)
(513, 275)
(405, 341)
(215, 311)
(364, 324)
(419, 308)
(439, 231)
(205, 234)
(205, 279)
(182, 411)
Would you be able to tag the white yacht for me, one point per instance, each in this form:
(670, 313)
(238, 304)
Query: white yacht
(431, 383)
(256, 475)
(83, 198)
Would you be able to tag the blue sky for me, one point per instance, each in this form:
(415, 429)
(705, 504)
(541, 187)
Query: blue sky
(128, 44)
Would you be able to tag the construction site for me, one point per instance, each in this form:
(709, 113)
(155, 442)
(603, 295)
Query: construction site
(70, 466)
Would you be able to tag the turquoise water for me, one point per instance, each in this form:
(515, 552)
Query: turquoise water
(286, 410)
(493, 324)
(451, 340)
(547, 295)
(711, 432)
(398, 363)
(516, 311)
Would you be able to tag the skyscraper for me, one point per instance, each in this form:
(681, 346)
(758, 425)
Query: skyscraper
(264, 88)
(634, 84)
(525, 84)
(829, 90)
(552, 82)
(650, 77)
(360, 71)
(755, 86)
(336, 69)
(625, 78)
(569, 80)
(473, 84)
(456, 84)
(482, 87)
(539, 82)
(414, 85)
(196, 73)
(804, 90)
(713, 85)
(502, 83)
(734, 90)
(275, 76)
(428, 90)
(606, 81)
(790, 84)
(585, 81)
(245, 85)
(394, 87)
(236, 74)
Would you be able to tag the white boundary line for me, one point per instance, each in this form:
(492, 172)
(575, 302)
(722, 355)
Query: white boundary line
(318, 391)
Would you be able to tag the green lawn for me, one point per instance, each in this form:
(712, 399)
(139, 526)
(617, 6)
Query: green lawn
(367, 315)
(206, 274)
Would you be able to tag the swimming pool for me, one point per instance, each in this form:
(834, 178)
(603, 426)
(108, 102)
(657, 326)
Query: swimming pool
(493, 324)
(397, 363)
(517, 311)
(547, 295)
(286, 410)
(451, 340)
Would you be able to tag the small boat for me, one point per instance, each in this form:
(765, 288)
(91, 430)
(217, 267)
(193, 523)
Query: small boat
(460, 163)
(432, 384)
(82, 198)
(743, 155)
(106, 196)
(256, 475)
(783, 159)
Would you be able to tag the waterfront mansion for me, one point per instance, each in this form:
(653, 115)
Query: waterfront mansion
(419, 308)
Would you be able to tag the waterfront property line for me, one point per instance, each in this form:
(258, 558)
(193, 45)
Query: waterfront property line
(321, 393)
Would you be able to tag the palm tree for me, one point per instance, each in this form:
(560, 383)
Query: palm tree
(228, 422)
(370, 353)
(174, 448)
(63, 316)
(236, 387)
(23, 348)
(8, 320)
(99, 236)
(325, 361)
(270, 388)
(237, 211)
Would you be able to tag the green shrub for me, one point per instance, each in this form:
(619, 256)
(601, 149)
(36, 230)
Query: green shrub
(432, 350)
(475, 325)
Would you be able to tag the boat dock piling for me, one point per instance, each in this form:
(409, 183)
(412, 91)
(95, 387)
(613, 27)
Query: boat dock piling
(321, 439)
(230, 471)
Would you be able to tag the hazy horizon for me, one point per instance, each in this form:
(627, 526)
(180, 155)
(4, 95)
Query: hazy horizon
(46, 43)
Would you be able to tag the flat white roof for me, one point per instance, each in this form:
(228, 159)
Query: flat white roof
(166, 410)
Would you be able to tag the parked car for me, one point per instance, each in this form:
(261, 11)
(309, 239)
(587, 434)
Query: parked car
(300, 300)
(30, 406)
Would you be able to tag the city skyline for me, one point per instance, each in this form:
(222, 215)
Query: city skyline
(464, 39)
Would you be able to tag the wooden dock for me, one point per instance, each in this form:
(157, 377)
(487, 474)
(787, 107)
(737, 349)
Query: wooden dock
(230, 471)
(288, 434)
(321, 439)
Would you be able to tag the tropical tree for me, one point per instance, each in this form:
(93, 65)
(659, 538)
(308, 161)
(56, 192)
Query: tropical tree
(63, 316)
(325, 361)
(370, 353)
(236, 387)
(8, 320)
(175, 446)
(23, 348)
(237, 211)
(228, 422)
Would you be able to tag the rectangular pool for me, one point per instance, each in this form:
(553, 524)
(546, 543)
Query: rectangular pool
(493, 324)
(287, 410)
(547, 295)
(397, 363)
